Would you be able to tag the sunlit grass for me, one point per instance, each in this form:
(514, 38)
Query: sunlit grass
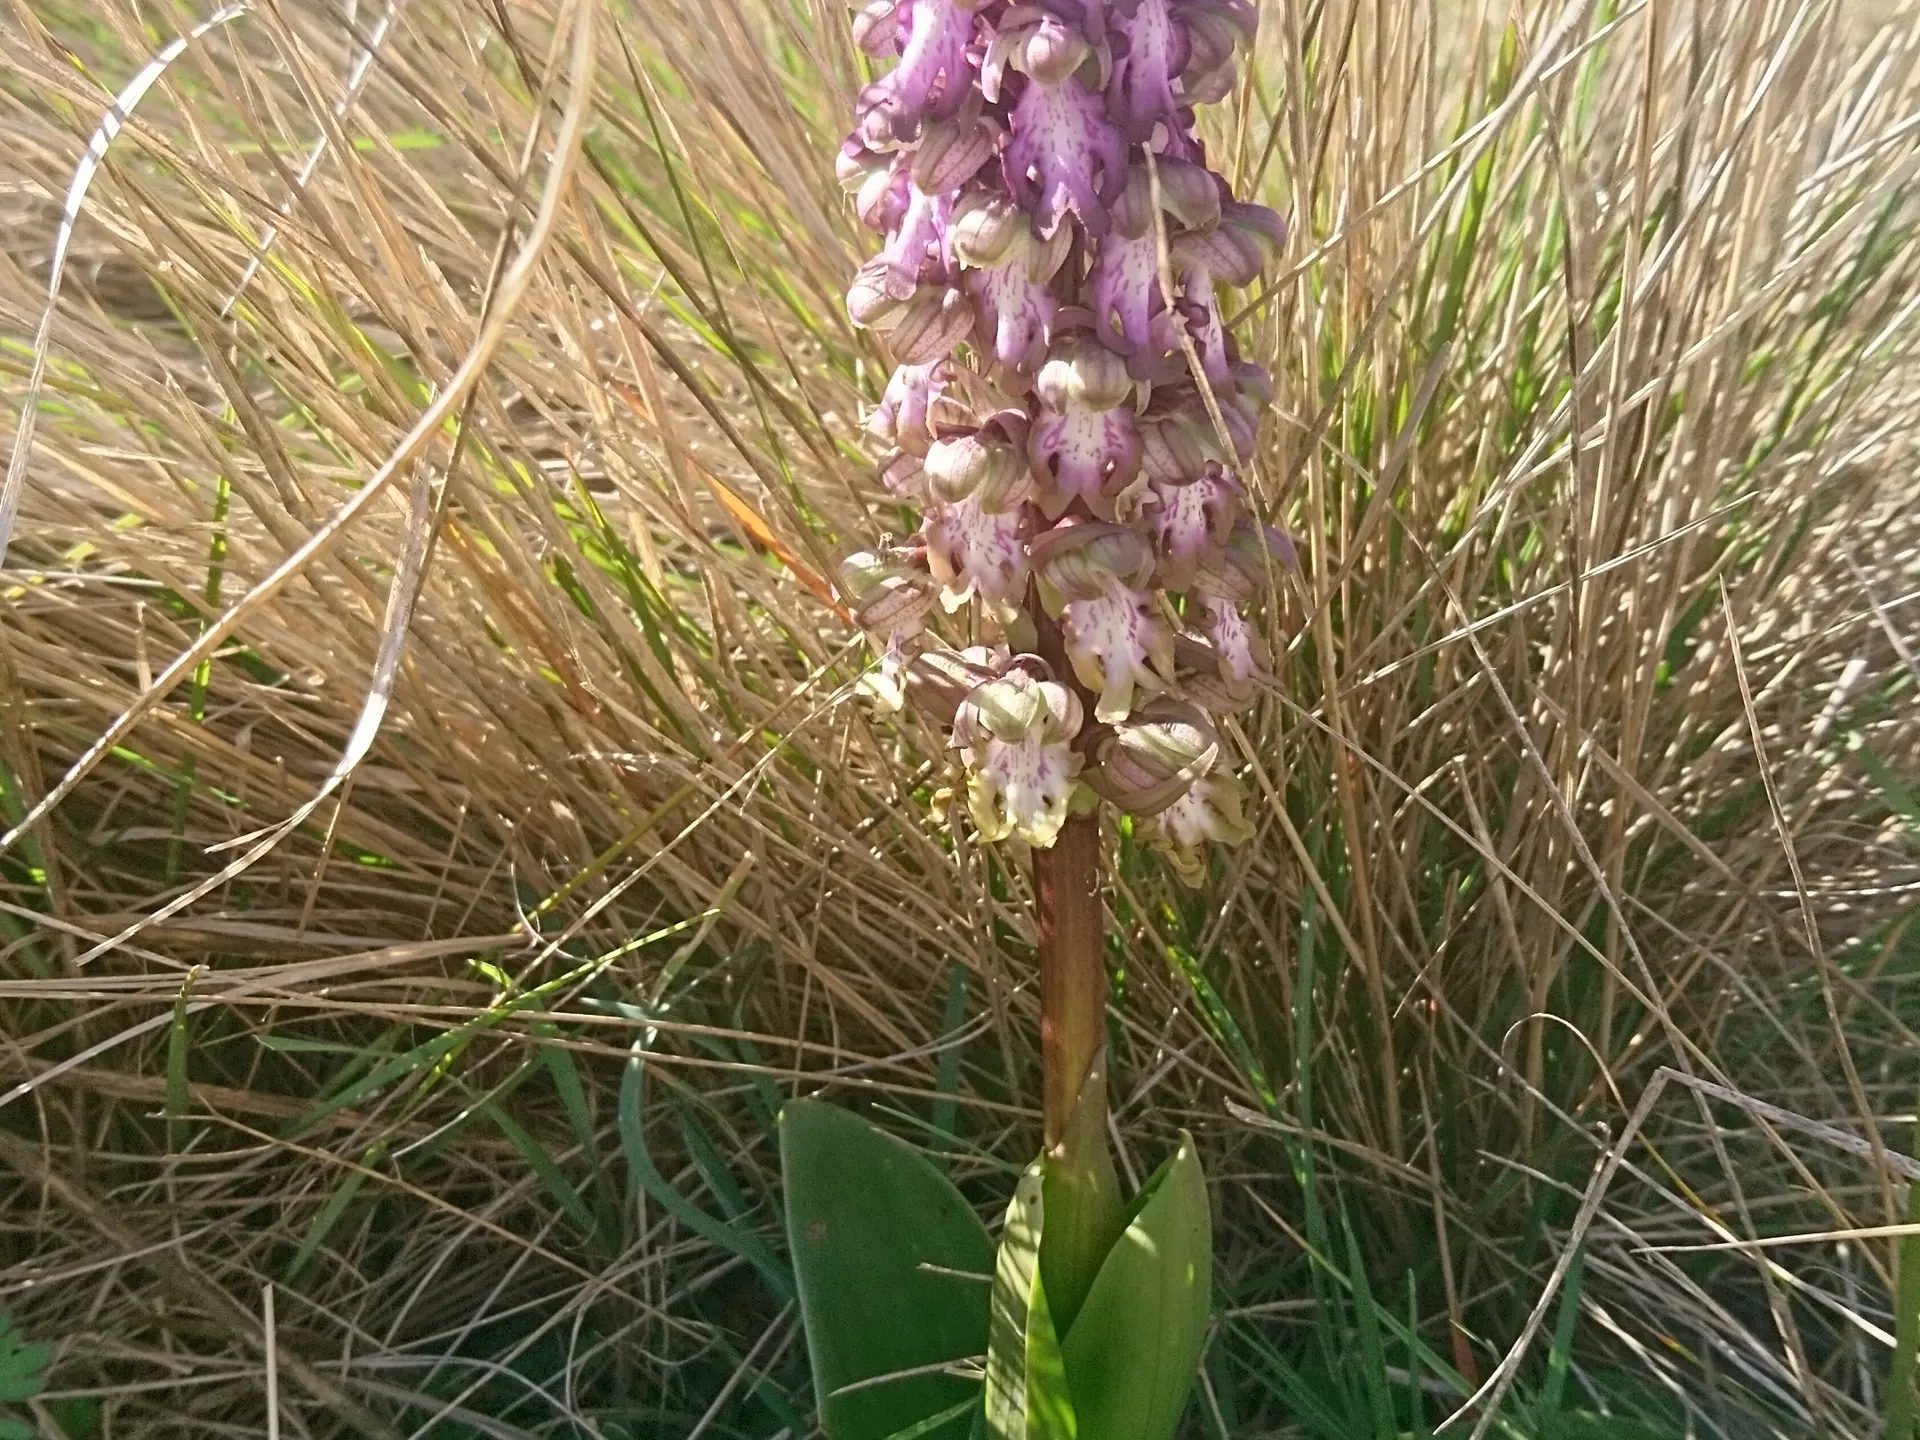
(1596, 383)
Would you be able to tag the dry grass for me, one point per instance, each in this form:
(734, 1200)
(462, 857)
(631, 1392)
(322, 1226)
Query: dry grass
(1596, 385)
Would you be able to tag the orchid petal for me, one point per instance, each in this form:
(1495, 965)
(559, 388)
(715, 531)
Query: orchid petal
(1117, 643)
(1212, 809)
(1124, 288)
(973, 552)
(1085, 454)
(905, 412)
(1190, 520)
(1141, 92)
(1064, 156)
(1240, 648)
(1016, 311)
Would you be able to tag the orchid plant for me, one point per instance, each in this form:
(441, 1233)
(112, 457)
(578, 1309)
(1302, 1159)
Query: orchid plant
(1070, 414)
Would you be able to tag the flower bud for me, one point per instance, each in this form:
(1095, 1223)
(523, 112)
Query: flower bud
(952, 151)
(1207, 87)
(990, 463)
(1051, 51)
(1133, 211)
(1084, 561)
(1188, 192)
(1238, 570)
(904, 474)
(1260, 226)
(986, 227)
(1082, 374)
(876, 29)
(1016, 707)
(872, 302)
(929, 327)
(1178, 445)
(888, 594)
(1151, 758)
(938, 680)
(1254, 383)
(1214, 29)
(1202, 675)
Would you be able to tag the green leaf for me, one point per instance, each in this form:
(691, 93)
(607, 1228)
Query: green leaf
(21, 1365)
(890, 1262)
(179, 1047)
(1027, 1393)
(1134, 1349)
(1081, 1200)
(1373, 1357)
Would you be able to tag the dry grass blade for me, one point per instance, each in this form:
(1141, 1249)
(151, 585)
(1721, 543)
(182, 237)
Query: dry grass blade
(439, 425)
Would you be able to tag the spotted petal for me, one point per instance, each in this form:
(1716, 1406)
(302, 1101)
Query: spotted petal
(1118, 643)
(1211, 810)
(1205, 325)
(1064, 156)
(1141, 92)
(1015, 310)
(1125, 288)
(905, 412)
(973, 552)
(930, 82)
(915, 253)
(1022, 790)
(1085, 454)
(1015, 735)
(1190, 520)
(1242, 652)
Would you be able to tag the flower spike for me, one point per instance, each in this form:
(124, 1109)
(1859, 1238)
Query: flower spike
(1034, 169)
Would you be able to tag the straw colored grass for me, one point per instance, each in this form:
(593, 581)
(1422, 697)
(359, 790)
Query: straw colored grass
(1589, 753)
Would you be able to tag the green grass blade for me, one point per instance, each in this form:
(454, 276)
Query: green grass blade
(644, 1174)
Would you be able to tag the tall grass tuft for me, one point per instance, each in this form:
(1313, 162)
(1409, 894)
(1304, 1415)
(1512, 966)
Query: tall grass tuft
(441, 829)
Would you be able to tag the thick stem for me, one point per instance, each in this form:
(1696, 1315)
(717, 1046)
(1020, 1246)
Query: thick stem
(1084, 1213)
(1073, 968)
(1073, 972)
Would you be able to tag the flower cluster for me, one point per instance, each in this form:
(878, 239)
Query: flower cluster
(1069, 410)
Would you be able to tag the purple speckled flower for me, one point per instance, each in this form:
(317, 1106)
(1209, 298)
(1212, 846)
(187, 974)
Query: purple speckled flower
(1069, 412)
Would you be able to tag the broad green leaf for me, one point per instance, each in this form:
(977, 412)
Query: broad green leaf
(1134, 1349)
(1027, 1394)
(1082, 1203)
(891, 1265)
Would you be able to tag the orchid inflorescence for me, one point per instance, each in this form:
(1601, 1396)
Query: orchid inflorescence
(1068, 409)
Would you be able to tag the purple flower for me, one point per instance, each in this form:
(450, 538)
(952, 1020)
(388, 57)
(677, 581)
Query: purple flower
(932, 79)
(1015, 736)
(1030, 163)
(1155, 51)
(1064, 156)
(905, 415)
(1085, 444)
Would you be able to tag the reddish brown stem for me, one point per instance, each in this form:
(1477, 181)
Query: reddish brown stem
(1073, 972)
